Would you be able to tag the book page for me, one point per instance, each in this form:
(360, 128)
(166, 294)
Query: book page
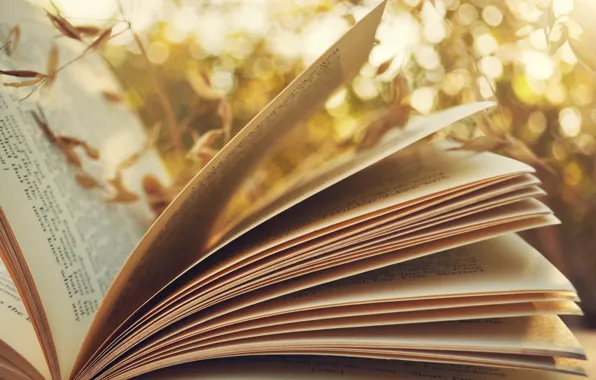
(72, 239)
(327, 367)
(181, 233)
(425, 311)
(20, 337)
(335, 319)
(502, 265)
(404, 183)
(414, 174)
(372, 234)
(521, 182)
(524, 209)
(311, 180)
(419, 177)
(285, 287)
(533, 335)
(322, 320)
(372, 263)
(346, 270)
(8, 370)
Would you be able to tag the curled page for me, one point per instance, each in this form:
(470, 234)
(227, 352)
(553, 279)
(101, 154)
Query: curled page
(180, 235)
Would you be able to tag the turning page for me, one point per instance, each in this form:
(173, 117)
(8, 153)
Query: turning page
(329, 367)
(503, 265)
(180, 235)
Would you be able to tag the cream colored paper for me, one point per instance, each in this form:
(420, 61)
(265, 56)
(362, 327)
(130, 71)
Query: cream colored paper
(461, 169)
(502, 265)
(17, 331)
(324, 368)
(535, 335)
(451, 170)
(177, 232)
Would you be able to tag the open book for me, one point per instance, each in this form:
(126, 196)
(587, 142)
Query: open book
(400, 260)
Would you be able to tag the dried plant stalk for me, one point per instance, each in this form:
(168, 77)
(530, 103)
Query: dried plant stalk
(100, 41)
(88, 30)
(64, 26)
(52, 66)
(123, 195)
(13, 39)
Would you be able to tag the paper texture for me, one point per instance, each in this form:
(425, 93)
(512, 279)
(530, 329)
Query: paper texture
(17, 332)
(323, 368)
(183, 229)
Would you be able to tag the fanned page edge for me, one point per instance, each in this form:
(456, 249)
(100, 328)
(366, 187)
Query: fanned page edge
(108, 305)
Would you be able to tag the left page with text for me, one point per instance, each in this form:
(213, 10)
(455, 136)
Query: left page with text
(67, 241)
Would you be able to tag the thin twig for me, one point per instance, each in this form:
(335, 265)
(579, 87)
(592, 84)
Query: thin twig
(34, 89)
(5, 45)
(161, 95)
(159, 89)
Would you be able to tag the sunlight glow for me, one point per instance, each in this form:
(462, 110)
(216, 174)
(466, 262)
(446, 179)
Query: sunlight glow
(538, 65)
(88, 9)
(423, 99)
(319, 36)
(570, 120)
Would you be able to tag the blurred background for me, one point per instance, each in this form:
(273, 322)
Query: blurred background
(205, 65)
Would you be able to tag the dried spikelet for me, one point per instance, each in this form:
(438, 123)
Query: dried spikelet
(86, 181)
(88, 30)
(457, 138)
(44, 127)
(517, 149)
(554, 46)
(395, 116)
(400, 89)
(24, 83)
(64, 26)
(101, 40)
(152, 186)
(205, 155)
(224, 111)
(585, 56)
(90, 151)
(22, 73)
(201, 86)
(548, 21)
(71, 156)
(149, 144)
(204, 144)
(111, 96)
(52, 66)
(140, 44)
(158, 196)
(488, 126)
(12, 42)
(349, 18)
(68, 142)
(482, 144)
(123, 195)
